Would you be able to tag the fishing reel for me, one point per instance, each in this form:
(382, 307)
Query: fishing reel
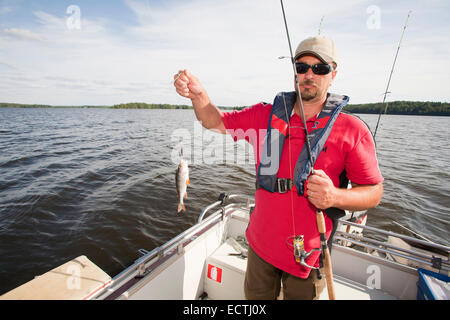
(300, 254)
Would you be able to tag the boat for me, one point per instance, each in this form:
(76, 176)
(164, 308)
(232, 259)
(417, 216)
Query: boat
(208, 262)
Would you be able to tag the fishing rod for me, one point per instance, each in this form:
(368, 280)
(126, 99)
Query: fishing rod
(413, 232)
(390, 77)
(320, 25)
(297, 84)
(319, 213)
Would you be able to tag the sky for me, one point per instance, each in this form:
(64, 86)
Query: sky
(106, 52)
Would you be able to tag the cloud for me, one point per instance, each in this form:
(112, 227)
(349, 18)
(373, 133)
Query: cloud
(225, 47)
(232, 46)
(22, 34)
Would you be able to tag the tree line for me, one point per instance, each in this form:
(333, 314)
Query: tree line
(394, 107)
(428, 108)
(21, 105)
(403, 107)
(142, 105)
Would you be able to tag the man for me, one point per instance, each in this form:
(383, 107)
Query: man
(286, 199)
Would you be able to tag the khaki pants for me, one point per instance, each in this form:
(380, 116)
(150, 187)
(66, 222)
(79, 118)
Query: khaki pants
(263, 282)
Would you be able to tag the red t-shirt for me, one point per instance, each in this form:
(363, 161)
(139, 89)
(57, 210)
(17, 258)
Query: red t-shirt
(350, 146)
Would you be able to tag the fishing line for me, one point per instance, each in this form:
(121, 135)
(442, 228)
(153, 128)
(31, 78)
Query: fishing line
(290, 164)
(178, 76)
(390, 77)
(295, 241)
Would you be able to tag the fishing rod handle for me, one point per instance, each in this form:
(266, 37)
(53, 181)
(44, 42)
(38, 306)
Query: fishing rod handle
(326, 255)
(329, 275)
(320, 222)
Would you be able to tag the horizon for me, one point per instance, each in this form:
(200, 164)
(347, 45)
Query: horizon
(190, 105)
(102, 53)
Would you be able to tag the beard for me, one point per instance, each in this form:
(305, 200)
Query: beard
(309, 93)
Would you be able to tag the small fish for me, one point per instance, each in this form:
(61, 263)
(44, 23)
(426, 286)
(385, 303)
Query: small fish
(182, 181)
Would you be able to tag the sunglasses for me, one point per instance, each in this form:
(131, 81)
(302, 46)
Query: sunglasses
(319, 69)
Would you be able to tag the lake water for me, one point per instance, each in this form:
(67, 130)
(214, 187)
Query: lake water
(101, 182)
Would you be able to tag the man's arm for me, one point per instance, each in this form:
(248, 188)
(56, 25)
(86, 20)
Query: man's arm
(187, 85)
(323, 194)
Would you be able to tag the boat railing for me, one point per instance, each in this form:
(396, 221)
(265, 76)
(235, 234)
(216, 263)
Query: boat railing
(143, 265)
(437, 262)
(221, 201)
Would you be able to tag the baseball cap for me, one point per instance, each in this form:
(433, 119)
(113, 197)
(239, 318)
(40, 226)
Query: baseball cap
(320, 46)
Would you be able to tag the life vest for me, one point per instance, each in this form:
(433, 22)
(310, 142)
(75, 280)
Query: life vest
(276, 135)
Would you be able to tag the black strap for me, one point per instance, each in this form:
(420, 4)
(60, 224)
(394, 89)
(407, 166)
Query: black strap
(282, 185)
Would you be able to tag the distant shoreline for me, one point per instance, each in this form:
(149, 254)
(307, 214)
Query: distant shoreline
(395, 107)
